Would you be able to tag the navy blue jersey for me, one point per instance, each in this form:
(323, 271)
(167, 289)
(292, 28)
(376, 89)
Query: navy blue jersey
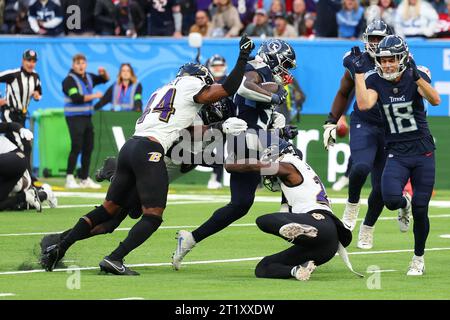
(373, 115)
(47, 13)
(161, 12)
(256, 114)
(404, 114)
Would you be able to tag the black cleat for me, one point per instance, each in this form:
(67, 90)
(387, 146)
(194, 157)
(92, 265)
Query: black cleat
(116, 267)
(49, 240)
(51, 256)
(107, 171)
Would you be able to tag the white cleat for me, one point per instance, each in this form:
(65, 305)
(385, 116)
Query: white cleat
(71, 183)
(185, 243)
(340, 184)
(32, 199)
(404, 214)
(351, 212)
(365, 238)
(417, 266)
(303, 272)
(51, 198)
(88, 183)
(293, 230)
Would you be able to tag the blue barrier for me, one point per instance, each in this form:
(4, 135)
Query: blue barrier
(156, 61)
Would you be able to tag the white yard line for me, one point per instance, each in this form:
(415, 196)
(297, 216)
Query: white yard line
(7, 294)
(205, 262)
(445, 236)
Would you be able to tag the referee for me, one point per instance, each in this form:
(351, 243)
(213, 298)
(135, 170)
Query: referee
(22, 84)
(78, 109)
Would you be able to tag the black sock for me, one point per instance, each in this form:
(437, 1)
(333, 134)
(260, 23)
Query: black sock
(421, 229)
(82, 229)
(140, 232)
(375, 207)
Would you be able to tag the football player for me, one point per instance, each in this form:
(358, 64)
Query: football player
(400, 87)
(255, 105)
(366, 139)
(140, 163)
(317, 234)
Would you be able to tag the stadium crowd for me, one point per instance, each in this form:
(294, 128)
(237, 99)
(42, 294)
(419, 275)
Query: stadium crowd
(226, 18)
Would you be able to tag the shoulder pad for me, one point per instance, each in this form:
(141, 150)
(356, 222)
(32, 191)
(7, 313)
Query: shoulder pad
(425, 70)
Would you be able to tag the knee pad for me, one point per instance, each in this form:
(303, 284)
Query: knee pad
(360, 169)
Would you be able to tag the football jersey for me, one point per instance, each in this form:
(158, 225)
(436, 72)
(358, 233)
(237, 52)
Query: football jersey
(373, 115)
(404, 114)
(310, 194)
(169, 110)
(256, 114)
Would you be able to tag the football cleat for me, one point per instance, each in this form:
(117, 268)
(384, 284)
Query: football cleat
(116, 267)
(303, 272)
(107, 171)
(365, 238)
(350, 215)
(32, 199)
(417, 266)
(292, 231)
(49, 240)
(404, 214)
(51, 198)
(185, 243)
(51, 256)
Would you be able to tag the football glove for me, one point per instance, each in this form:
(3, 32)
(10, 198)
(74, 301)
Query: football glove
(358, 62)
(246, 45)
(26, 134)
(278, 120)
(329, 135)
(289, 132)
(279, 97)
(234, 126)
(415, 72)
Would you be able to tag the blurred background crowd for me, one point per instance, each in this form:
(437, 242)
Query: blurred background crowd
(225, 18)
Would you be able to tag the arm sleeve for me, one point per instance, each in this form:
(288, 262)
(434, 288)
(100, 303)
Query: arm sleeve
(38, 84)
(107, 98)
(138, 98)
(71, 90)
(7, 76)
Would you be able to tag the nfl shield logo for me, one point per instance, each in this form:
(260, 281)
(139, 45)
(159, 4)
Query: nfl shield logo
(395, 90)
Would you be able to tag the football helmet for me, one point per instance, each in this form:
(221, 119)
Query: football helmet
(280, 57)
(376, 28)
(196, 70)
(392, 46)
(215, 112)
(217, 65)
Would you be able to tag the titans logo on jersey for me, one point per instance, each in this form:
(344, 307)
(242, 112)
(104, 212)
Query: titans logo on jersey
(373, 115)
(404, 113)
(256, 114)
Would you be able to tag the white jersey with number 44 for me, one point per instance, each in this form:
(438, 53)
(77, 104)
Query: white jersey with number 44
(310, 194)
(169, 110)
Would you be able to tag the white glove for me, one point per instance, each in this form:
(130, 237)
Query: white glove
(26, 134)
(234, 126)
(278, 120)
(329, 135)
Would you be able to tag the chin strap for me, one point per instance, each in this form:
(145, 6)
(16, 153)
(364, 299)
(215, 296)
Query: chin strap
(344, 255)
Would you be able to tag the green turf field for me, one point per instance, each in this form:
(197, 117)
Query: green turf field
(220, 267)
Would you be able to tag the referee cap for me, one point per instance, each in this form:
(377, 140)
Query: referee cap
(30, 55)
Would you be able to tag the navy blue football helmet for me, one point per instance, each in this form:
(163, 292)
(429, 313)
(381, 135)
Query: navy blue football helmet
(280, 57)
(215, 112)
(196, 70)
(392, 46)
(217, 65)
(375, 32)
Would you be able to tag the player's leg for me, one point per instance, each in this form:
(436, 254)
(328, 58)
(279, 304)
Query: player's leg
(12, 167)
(363, 146)
(422, 180)
(147, 161)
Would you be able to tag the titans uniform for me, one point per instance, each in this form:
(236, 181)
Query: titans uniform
(367, 148)
(310, 206)
(409, 145)
(140, 162)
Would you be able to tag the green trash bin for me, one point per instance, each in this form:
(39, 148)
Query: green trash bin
(54, 141)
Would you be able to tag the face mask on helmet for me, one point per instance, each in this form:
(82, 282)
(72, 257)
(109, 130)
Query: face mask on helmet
(280, 57)
(272, 183)
(217, 66)
(392, 53)
(196, 70)
(214, 112)
(375, 32)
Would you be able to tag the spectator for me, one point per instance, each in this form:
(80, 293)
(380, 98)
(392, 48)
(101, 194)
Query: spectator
(326, 25)
(443, 27)
(439, 5)
(297, 17)
(310, 19)
(202, 24)
(87, 25)
(310, 6)
(105, 17)
(23, 26)
(2, 10)
(226, 21)
(46, 17)
(349, 19)
(381, 10)
(246, 10)
(125, 94)
(276, 8)
(129, 18)
(203, 4)
(188, 10)
(165, 18)
(15, 17)
(415, 18)
(260, 26)
(283, 29)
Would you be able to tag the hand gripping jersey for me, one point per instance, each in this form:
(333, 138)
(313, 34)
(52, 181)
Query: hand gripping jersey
(169, 110)
(310, 194)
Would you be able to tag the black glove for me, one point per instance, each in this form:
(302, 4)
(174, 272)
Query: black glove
(289, 132)
(358, 62)
(415, 72)
(279, 97)
(331, 119)
(246, 46)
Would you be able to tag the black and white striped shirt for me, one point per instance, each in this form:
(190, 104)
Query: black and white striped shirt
(20, 86)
